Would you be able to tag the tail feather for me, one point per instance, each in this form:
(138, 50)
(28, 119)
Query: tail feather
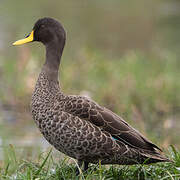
(153, 157)
(139, 156)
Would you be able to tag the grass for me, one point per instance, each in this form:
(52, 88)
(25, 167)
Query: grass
(45, 167)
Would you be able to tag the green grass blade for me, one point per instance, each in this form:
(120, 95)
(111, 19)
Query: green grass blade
(43, 163)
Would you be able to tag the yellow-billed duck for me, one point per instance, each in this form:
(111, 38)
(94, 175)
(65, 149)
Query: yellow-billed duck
(76, 125)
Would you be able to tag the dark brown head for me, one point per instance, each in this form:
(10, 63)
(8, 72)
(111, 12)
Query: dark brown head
(45, 30)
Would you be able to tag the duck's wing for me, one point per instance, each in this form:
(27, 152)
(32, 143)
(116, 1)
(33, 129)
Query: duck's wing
(108, 121)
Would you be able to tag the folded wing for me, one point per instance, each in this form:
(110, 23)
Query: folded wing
(108, 121)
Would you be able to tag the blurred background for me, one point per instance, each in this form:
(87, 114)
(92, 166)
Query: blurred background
(123, 54)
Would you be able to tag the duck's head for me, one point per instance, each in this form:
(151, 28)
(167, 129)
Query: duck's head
(45, 30)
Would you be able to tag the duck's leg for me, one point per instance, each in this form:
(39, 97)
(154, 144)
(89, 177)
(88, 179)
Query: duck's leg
(85, 166)
(80, 165)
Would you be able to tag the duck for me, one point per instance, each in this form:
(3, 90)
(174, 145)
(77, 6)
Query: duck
(76, 125)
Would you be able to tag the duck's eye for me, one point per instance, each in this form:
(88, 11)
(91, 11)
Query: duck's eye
(42, 26)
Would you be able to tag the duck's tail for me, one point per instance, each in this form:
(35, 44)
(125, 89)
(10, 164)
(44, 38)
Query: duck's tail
(152, 157)
(137, 156)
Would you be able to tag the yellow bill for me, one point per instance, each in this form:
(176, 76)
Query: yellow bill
(29, 38)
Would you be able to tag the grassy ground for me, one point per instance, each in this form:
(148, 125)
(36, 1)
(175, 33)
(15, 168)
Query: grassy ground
(45, 167)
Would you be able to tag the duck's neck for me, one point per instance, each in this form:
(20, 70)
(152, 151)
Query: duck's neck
(53, 57)
(47, 85)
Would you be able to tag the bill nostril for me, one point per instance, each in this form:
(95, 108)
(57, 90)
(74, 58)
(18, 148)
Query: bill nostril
(27, 35)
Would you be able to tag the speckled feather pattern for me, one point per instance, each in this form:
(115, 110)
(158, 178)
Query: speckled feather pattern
(80, 128)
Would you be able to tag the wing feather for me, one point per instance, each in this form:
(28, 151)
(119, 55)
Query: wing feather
(109, 122)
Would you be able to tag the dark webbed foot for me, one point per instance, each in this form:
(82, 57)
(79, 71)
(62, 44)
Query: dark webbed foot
(80, 165)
